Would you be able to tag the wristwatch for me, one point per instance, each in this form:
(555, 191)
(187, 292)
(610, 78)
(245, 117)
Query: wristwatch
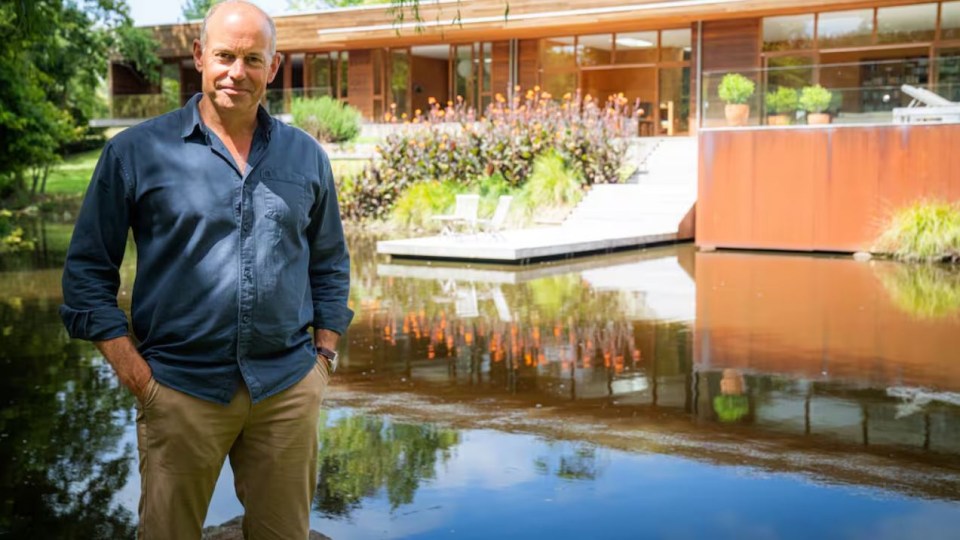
(332, 357)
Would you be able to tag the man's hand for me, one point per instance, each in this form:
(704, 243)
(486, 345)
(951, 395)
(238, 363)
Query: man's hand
(132, 370)
(326, 338)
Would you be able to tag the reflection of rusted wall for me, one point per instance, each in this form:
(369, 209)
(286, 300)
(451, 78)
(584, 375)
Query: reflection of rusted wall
(827, 189)
(806, 316)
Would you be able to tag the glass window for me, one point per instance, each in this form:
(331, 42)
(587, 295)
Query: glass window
(321, 76)
(558, 53)
(486, 67)
(906, 24)
(463, 73)
(675, 45)
(950, 20)
(596, 50)
(558, 84)
(948, 74)
(788, 33)
(399, 79)
(790, 71)
(377, 72)
(636, 48)
(845, 28)
(674, 101)
(344, 69)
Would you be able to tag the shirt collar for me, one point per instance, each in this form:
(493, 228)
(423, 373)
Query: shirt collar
(190, 121)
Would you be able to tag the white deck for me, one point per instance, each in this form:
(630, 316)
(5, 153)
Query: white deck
(526, 244)
(609, 218)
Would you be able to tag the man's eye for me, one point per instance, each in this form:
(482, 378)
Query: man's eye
(255, 61)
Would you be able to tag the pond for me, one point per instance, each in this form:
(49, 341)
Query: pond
(655, 393)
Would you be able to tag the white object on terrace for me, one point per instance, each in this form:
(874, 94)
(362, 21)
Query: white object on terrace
(935, 109)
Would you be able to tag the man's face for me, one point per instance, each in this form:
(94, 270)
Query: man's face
(235, 62)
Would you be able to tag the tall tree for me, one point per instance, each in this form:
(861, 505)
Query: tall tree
(196, 9)
(54, 57)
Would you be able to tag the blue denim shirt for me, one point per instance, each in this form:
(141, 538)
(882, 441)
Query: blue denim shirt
(233, 267)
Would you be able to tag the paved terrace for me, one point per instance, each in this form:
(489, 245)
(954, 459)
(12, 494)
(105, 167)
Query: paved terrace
(655, 208)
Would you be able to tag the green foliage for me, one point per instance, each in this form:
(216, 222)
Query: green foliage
(194, 10)
(735, 88)
(551, 185)
(326, 119)
(73, 175)
(923, 232)
(924, 291)
(451, 144)
(783, 101)
(50, 71)
(731, 408)
(361, 455)
(815, 99)
(421, 201)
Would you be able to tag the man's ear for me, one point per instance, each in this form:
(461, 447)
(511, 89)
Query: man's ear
(198, 55)
(274, 67)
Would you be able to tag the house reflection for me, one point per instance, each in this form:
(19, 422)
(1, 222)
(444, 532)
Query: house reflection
(770, 344)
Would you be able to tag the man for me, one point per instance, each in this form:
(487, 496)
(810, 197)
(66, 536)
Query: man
(240, 250)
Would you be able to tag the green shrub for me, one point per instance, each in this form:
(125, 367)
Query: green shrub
(923, 232)
(421, 201)
(450, 144)
(783, 101)
(815, 99)
(735, 88)
(326, 119)
(552, 185)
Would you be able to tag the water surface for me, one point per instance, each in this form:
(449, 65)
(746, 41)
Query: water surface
(662, 394)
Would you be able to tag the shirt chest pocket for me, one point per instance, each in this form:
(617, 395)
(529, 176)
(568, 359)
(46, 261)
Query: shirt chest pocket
(282, 201)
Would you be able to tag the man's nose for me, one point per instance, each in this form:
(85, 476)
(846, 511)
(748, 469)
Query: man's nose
(237, 70)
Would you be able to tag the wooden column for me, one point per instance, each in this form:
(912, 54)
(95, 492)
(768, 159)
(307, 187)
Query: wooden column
(287, 81)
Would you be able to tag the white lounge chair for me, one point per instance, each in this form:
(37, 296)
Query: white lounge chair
(495, 223)
(464, 215)
(935, 108)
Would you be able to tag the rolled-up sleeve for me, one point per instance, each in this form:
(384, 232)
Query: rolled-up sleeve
(91, 276)
(329, 259)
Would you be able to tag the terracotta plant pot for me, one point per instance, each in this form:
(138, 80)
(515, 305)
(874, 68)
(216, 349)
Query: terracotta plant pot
(818, 118)
(778, 120)
(737, 114)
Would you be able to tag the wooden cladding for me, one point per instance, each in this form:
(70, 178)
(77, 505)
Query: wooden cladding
(500, 74)
(731, 44)
(360, 81)
(128, 81)
(802, 316)
(528, 63)
(818, 189)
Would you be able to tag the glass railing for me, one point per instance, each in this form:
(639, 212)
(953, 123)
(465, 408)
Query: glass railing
(849, 93)
(142, 106)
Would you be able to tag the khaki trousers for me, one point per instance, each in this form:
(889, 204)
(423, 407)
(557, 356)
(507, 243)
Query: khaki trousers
(272, 445)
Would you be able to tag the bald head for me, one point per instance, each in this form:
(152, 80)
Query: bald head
(231, 7)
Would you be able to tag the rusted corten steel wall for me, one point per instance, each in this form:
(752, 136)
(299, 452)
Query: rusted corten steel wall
(818, 188)
(816, 317)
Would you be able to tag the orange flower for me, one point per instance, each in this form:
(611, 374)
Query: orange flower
(431, 100)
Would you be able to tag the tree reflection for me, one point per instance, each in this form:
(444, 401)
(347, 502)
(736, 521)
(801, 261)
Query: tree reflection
(60, 469)
(580, 463)
(360, 455)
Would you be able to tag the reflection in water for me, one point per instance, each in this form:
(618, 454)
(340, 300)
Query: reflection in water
(360, 455)
(924, 291)
(61, 422)
(693, 364)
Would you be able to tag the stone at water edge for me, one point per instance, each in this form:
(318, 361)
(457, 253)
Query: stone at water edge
(862, 256)
(233, 530)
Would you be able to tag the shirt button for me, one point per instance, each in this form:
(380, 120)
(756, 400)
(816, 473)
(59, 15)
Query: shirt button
(246, 318)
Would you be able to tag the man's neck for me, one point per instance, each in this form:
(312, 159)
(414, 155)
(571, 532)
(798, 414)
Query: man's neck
(237, 125)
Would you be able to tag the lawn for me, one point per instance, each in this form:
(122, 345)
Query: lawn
(73, 175)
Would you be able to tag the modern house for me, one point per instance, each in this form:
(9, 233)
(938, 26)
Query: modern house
(781, 187)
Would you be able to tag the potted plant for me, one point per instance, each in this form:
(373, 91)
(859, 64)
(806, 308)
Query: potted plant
(815, 100)
(736, 90)
(781, 105)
